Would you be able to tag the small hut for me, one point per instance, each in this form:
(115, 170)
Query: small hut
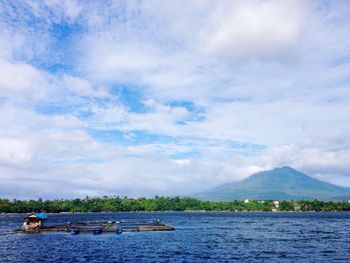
(34, 222)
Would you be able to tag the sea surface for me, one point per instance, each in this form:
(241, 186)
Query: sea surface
(199, 237)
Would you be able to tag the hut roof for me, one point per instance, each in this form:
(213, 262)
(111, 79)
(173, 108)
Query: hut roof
(41, 216)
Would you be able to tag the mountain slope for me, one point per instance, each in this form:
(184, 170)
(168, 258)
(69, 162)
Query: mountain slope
(283, 183)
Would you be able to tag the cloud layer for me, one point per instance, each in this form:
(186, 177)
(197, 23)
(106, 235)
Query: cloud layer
(141, 98)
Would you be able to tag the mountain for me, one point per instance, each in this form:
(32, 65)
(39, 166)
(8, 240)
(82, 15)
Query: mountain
(283, 183)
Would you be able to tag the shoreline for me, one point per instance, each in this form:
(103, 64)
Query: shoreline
(188, 211)
(166, 204)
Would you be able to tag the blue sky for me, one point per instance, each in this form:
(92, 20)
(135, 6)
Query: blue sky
(141, 98)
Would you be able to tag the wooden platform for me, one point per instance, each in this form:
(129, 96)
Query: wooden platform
(98, 227)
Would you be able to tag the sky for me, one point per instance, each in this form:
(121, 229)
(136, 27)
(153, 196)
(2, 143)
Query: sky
(144, 98)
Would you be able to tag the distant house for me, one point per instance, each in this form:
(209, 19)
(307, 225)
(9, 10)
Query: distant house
(246, 201)
(34, 222)
(276, 204)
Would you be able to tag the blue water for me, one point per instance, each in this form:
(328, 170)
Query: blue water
(199, 237)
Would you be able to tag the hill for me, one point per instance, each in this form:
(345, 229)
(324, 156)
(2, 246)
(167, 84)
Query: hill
(283, 183)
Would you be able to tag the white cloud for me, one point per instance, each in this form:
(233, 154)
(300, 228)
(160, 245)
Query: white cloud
(233, 29)
(15, 152)
(21, 80)
(265, 29)
(81, 87)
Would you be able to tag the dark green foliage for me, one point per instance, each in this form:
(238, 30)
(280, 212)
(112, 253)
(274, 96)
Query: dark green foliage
(124, 204)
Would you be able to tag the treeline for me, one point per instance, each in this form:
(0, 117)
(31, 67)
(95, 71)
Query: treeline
(124, 204)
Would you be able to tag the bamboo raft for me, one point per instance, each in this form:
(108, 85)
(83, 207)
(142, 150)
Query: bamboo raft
(99, 227)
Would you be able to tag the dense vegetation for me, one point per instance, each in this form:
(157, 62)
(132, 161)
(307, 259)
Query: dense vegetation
(124, 204)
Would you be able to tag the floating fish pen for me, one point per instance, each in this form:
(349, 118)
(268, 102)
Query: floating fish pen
(34, 223)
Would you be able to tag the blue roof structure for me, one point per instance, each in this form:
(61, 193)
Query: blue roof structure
(41, 216)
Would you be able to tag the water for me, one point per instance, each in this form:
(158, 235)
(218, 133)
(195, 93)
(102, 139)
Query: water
(199, 237)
